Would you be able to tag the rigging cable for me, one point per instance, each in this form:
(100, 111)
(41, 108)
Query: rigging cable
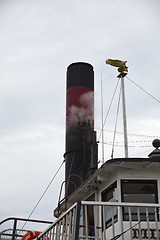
(117, 144)
(44, 193)
(73, 157)
(143, 90)
(109, 108)
(132, 134)
(140, 154)
(111, 104)
(114, 136)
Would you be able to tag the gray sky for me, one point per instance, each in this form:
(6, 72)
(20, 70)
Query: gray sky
(38, 40)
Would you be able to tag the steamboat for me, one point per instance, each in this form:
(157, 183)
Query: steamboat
(118, 200)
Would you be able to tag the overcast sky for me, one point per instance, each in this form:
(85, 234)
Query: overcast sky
(38, 40)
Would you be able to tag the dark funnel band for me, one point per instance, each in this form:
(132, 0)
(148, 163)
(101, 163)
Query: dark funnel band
(80, 74)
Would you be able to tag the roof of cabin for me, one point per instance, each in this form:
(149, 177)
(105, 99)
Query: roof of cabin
(105, 171)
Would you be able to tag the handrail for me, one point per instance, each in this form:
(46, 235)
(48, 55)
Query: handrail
(76, 175)
(106, 227)
(57, 221)
(25, 219)
(65, 197)
(21, 219)
(10, 235)
(120, 204)
(66, 192)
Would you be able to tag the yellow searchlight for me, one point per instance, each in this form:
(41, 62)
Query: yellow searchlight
(118, 63)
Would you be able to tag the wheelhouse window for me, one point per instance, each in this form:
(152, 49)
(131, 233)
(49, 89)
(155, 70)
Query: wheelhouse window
(109, 195)
(139, 191)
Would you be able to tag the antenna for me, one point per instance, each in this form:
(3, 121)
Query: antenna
(122, 68)
(102, 119)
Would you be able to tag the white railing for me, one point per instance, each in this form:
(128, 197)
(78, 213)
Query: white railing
(124, 221)
(106, 221)
(64, 227)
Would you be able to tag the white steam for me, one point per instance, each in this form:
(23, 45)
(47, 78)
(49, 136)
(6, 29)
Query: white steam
(86, 109)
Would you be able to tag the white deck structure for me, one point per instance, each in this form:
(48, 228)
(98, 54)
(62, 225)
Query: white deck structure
(119, 201)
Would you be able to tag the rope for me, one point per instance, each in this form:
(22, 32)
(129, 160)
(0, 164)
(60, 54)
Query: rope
(71, 164)
(109, 108)
(133, 134)
(131, 146)
(143, 90)
(138, 141)
(140, 154)
(43, 193)
(116, 120)
(114, 136)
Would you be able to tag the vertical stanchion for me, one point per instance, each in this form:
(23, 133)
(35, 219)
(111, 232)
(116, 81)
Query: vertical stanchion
(77, 221)
(14, 229)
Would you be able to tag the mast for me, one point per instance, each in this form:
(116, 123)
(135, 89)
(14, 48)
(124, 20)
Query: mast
(122, 68)
(122, 75)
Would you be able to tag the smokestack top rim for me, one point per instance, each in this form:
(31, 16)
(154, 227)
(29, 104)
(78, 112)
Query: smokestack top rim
(80, 63)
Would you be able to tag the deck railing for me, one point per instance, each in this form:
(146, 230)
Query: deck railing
(15, 233)
(106, 221)
(65, 226)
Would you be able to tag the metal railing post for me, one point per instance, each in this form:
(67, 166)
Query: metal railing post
(14, 229)
(78, 209)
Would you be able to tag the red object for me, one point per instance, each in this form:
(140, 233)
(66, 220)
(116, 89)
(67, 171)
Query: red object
(31, 235)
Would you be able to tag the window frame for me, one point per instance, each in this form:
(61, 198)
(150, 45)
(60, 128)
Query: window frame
(108, 222)
(136, 181)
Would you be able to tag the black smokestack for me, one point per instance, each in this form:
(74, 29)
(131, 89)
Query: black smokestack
(81, 147)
